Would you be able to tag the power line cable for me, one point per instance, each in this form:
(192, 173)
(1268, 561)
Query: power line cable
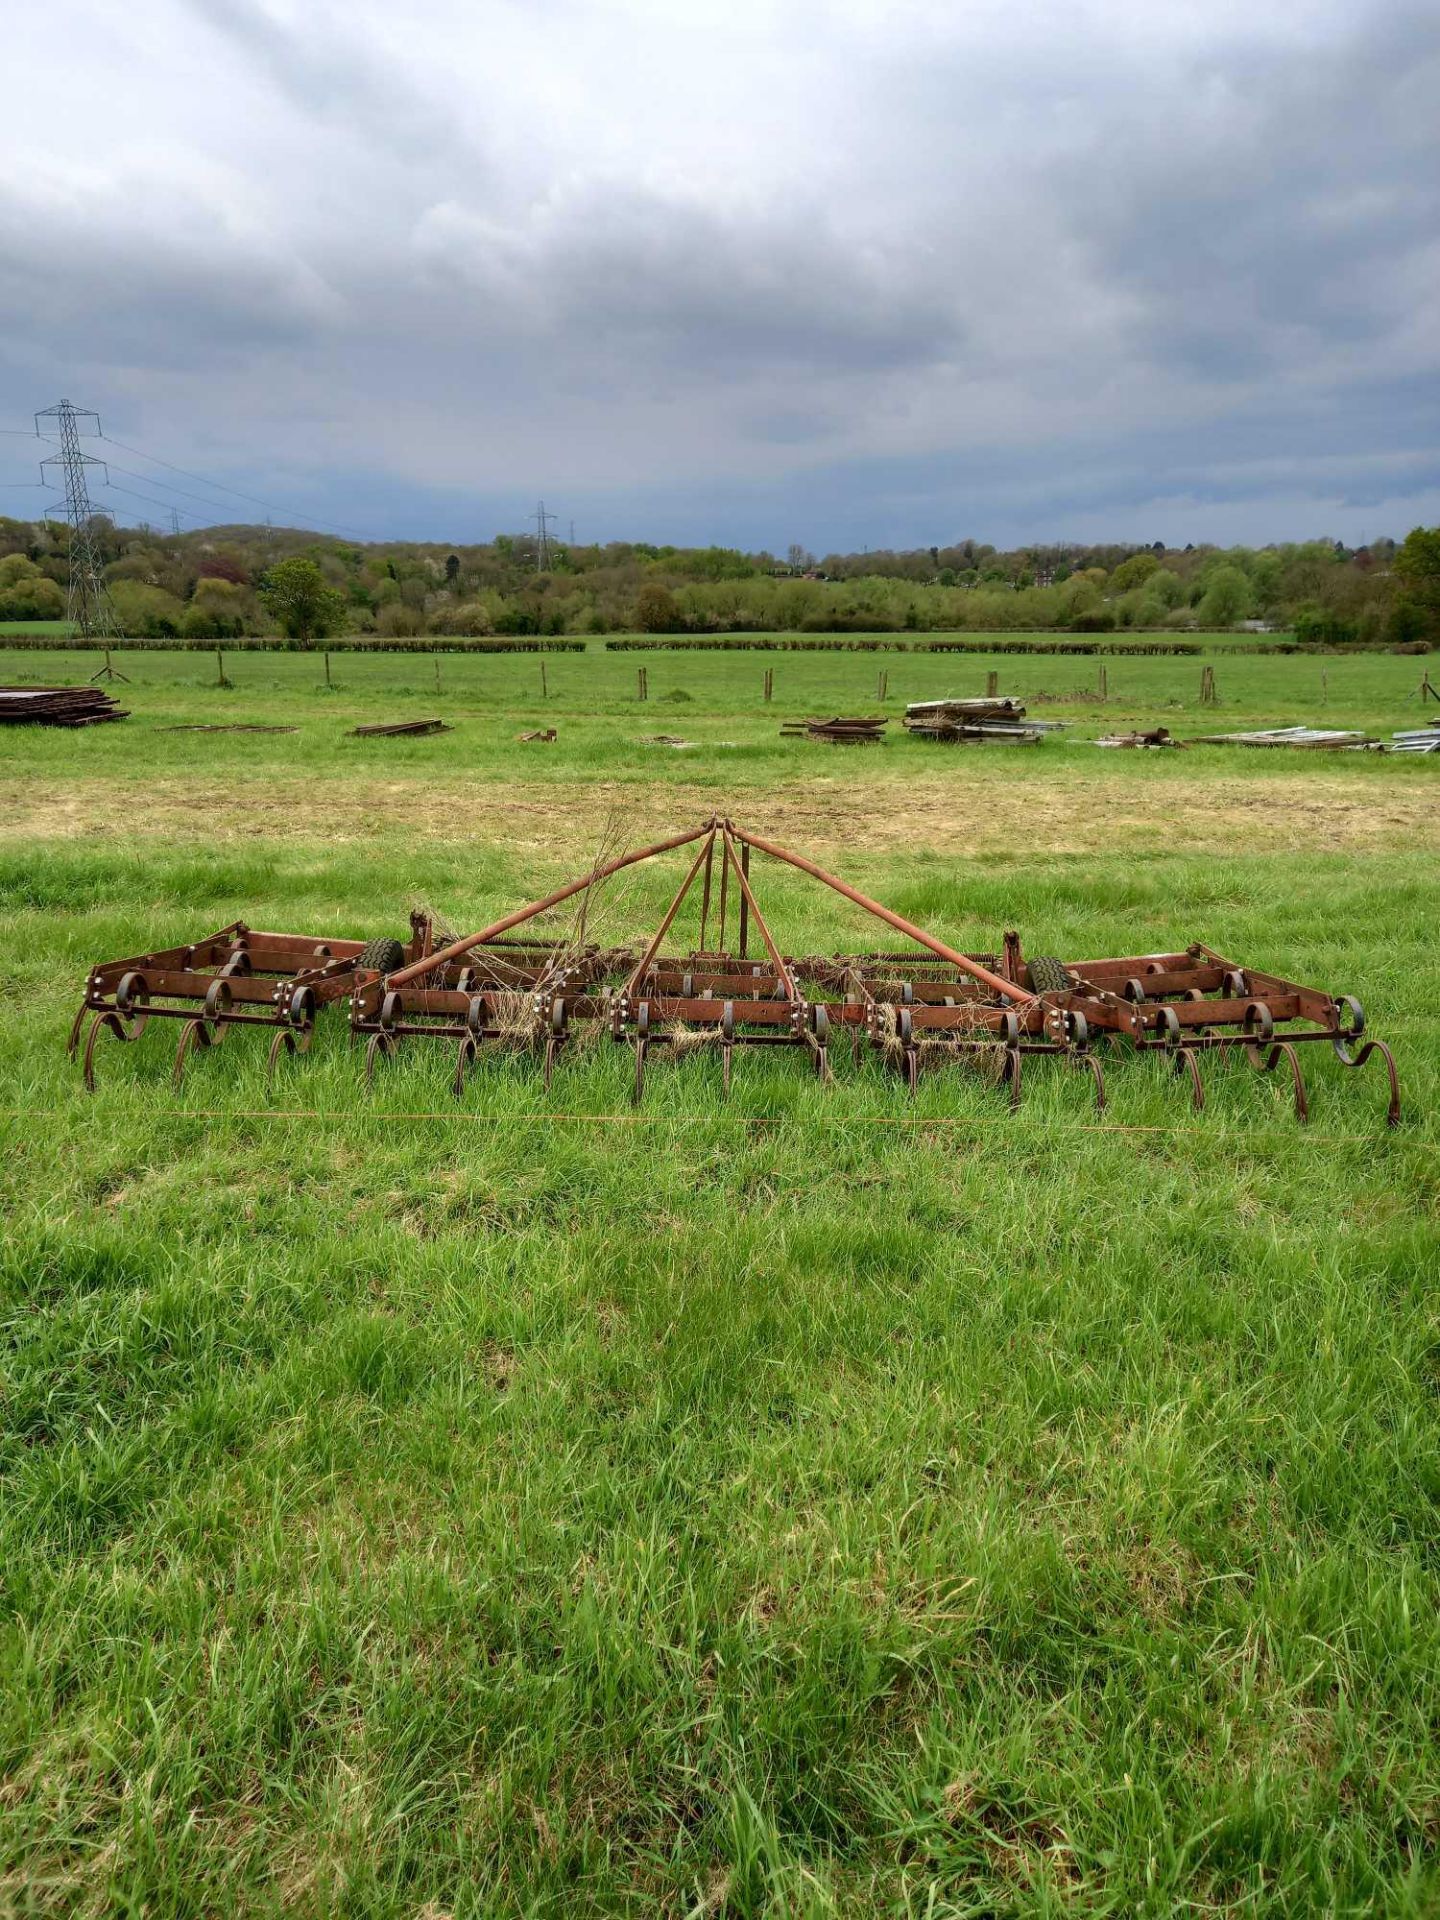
(183, 493)
(306, 522)
(114, 465)
(150, 499)
(219, 486)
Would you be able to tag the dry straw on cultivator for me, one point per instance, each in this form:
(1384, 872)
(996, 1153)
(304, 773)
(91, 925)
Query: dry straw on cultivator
(919, 1005)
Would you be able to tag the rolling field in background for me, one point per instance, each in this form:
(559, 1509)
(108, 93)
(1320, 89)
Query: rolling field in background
(817, 1503)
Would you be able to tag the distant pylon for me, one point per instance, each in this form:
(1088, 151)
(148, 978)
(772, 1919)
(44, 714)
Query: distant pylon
(542, 520)
(86, 603)
(174, 521)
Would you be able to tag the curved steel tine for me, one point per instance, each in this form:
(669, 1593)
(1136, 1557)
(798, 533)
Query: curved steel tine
(1012, 1075)
(912, 1068)
(549, 1068)
(73, 1043)
(1087, 1059)
(1346, 1058)
(379, 1043)
(1392, 1112)
(1302, 1103)
(464, 1054)
(640, 1047)
(107, 1020)
(1185, 1057)
(192, 1034)
(822, 1062)
(282, 1039)
(726, 1049)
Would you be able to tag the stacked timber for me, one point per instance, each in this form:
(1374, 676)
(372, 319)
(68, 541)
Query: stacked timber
(839, 732)
(976, 720)
(57, 707)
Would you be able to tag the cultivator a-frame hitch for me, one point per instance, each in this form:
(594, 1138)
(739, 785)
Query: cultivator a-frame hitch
(920, 1005)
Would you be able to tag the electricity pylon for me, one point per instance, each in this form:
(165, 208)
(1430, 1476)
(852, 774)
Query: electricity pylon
(542, 545)
(86, 603)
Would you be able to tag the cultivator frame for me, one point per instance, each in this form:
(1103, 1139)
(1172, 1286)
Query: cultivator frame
(919, 1005)
(235, 977)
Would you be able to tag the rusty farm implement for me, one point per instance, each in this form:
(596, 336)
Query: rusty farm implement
(233, 978)
(920, 1005)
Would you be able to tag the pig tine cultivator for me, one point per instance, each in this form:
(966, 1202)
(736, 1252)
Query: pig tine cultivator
(918, 1005)
(233, 978)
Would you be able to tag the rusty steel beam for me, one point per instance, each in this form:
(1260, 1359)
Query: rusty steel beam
(994, 981)
(670, 912)
(747, 900)
(458, 948)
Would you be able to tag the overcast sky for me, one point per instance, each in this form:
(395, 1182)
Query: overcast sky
(848, 272)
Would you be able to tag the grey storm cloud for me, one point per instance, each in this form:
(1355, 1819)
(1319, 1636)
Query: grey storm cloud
(843, 272)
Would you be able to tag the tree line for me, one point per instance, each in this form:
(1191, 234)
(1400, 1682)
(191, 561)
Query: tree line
(225, 582)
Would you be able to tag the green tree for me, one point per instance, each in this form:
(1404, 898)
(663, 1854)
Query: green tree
(656, 609)
(150, 613)
(32, 597)
(295, 593)
(1227, 598)
(1133, 572)
(15, 568)
(1418, 565)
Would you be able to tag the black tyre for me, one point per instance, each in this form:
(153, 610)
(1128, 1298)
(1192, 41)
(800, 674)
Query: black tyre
(1046, 974)
(381, 956)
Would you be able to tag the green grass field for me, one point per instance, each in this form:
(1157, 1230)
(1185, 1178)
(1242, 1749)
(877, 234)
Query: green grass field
(824, 1503)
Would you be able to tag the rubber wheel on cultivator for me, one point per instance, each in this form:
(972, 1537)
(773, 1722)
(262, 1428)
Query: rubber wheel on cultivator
(1046, 974)
(381, 955)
